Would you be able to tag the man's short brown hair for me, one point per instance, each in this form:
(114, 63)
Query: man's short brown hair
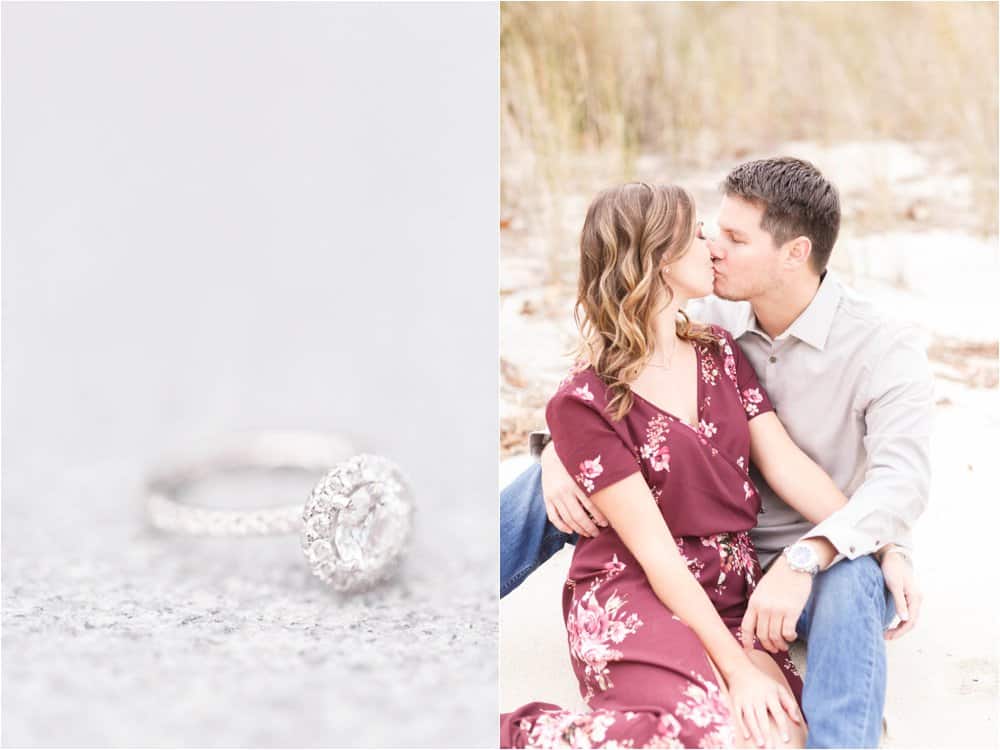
(797, 201)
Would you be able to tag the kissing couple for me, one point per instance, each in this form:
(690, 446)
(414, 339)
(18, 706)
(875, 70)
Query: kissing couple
(739, 455)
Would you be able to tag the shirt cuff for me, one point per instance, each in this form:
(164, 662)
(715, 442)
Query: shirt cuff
(852, 543)
(849, 543)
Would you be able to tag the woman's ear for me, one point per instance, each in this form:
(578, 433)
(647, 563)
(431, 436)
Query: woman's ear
(665, 281)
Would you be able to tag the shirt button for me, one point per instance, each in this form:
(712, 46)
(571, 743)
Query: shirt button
(772, 359)
(852, 548)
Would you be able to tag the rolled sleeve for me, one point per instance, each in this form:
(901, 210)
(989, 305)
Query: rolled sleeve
(898, 418)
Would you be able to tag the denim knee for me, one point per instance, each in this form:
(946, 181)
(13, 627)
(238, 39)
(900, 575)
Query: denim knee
(844, 693)
(527, 537)
(518, 494)
(850, 588)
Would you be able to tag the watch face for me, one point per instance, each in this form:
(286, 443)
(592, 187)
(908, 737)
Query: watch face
(801, 556)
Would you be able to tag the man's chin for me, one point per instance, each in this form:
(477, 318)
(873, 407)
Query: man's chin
(722, 292)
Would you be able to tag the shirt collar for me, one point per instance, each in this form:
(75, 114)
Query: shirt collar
(813, 324)
(746, 322)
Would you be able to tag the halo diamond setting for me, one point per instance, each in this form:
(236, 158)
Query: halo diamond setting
(357, 522)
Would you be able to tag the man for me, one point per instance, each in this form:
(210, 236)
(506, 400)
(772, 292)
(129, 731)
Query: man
(855, 393)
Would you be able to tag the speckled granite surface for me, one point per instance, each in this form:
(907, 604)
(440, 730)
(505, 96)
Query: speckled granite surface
(117, 635)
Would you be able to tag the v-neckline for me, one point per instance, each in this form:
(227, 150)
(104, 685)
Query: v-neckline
(698, 412)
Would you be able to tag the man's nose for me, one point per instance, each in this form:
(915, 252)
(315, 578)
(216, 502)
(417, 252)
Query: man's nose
(714, 249)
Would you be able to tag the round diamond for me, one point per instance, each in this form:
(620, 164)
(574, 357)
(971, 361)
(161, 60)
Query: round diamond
(388, 527)
(357, 510)
(319, 550)
(350, 544)
(361, 510)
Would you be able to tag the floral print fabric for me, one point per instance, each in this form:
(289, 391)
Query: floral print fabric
(594, 627)
(644, 674)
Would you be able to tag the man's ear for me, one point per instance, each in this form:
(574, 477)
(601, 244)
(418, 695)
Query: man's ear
(797, 252)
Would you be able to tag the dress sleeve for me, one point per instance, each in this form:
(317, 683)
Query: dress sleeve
(586, 442)
(752, 395)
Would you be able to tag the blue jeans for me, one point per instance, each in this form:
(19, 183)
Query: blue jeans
(527, 536)
(848, 610)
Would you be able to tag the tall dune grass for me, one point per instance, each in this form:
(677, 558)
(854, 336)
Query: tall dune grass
(700, 82)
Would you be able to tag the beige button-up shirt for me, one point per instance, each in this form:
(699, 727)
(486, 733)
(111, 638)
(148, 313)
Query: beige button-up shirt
(855, 392)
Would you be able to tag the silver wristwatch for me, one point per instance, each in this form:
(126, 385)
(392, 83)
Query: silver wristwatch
(802, 558)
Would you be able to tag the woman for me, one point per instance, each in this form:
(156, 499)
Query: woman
(657, 424)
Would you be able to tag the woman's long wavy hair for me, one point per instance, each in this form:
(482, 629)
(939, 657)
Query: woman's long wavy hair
(628, 232)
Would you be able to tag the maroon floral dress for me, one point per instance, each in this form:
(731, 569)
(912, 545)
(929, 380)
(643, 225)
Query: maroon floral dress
(643, 672)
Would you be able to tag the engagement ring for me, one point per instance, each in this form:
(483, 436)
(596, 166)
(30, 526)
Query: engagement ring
(354, 527)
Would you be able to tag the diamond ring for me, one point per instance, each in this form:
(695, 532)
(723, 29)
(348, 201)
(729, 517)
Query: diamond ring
(354, 527)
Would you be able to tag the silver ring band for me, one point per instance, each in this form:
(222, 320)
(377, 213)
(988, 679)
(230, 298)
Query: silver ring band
(272, 450)
(354, 526)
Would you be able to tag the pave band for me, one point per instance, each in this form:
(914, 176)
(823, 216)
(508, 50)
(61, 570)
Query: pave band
(273, 450)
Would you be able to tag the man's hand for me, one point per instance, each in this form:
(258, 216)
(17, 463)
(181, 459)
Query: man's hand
(775, 606)
(902, 584)
(565, 503)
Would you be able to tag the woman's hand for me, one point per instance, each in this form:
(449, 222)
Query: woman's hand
(565, 503)
(902, 584)
(755, 694)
